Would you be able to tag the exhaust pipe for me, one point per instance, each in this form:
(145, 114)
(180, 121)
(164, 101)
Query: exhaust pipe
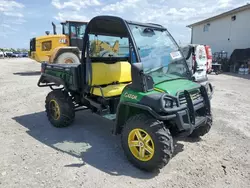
(54, 28)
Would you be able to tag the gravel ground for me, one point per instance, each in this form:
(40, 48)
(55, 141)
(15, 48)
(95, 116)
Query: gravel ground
(35, 154)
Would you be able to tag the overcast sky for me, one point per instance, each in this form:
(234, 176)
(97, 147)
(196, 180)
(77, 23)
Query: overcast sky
(21, 20)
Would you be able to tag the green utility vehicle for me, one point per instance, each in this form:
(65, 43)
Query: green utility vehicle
(146, 89)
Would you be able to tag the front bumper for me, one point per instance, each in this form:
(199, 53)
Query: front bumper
(193, 114)
(185, 123)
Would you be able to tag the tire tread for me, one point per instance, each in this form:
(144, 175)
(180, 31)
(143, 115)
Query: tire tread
(67, 113)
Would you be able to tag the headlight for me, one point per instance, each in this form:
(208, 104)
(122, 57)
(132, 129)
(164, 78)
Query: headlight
(168, 103)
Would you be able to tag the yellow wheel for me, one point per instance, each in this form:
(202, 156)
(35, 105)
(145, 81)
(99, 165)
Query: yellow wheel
(59, 108)
(146, 142)
(141, 144)
(54, 109)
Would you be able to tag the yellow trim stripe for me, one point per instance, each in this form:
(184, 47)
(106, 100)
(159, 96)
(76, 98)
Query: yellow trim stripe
(156, 89)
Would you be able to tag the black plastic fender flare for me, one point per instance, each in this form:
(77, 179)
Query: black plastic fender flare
(120, 121)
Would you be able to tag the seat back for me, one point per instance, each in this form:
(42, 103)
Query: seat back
(103, 73)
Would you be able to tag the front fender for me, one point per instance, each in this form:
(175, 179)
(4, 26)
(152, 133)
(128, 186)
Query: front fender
(127, 109)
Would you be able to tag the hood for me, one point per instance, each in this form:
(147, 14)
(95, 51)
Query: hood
(173, 86)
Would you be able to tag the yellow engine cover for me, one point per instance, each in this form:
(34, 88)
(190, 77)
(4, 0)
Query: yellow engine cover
(46, 44)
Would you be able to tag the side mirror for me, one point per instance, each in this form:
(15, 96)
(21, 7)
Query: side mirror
(140, 81)
(187, 51)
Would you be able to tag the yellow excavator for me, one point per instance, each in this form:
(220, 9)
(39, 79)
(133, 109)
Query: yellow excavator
(66, 47)
(100, 48)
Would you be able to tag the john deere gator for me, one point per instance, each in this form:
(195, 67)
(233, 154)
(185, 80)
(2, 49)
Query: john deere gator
(147, 90)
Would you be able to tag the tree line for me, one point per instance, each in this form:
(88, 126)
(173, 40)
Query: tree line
(14, 50)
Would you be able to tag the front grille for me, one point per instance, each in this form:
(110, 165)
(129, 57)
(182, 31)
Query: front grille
(195, 95)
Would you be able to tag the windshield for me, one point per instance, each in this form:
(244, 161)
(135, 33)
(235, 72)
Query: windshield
(66, 28)
(77, 30)
(159, 54)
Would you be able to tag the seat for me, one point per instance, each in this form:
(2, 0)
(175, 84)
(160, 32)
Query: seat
(109, 91)
(109, 80)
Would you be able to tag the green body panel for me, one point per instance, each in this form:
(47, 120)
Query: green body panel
(64, 75)
(129, 95)
(173, 86)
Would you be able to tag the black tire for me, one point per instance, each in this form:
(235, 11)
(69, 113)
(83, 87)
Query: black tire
(66, 108)
(67, 56)
(201, 131)
(161, 137)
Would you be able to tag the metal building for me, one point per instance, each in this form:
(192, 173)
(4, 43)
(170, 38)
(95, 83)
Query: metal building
(224, 32)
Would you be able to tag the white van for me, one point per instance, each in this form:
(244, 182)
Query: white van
(198, 62)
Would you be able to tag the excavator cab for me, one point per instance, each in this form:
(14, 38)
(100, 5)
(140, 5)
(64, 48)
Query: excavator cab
(75, 31)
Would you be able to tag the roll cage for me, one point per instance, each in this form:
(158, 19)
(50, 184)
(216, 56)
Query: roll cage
(117, 27)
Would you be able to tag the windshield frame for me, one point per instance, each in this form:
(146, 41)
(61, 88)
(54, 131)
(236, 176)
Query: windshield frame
(168, 34)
